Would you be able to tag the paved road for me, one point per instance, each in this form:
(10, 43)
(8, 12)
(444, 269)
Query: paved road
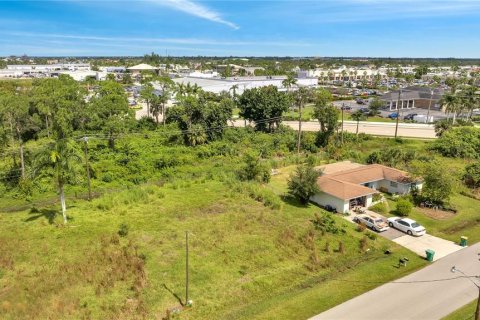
(405, 301)
(407, 130)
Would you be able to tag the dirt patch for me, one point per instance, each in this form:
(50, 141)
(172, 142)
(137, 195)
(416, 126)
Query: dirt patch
(437, 214)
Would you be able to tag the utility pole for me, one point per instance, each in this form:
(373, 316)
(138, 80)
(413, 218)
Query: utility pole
(430, 104)
(343, 107)
(398, 112)
(85, 140)
(186, 268)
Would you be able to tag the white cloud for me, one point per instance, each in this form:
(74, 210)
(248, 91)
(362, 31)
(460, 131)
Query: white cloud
(196, 9)
(131, 40)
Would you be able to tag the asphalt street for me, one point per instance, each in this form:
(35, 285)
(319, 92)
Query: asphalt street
(409, 299)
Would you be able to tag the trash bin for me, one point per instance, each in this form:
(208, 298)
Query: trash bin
(430, 253)
(463, 241)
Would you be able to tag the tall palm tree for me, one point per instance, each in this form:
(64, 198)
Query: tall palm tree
(450, 103)
(301, 98)
(234, 89)
(63, 157)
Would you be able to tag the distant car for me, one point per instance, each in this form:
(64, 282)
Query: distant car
(360, 101)
(373, 222)
(393, 115)
(364, 110)
(410, 116)
(346, 108)
(409, 226)
(329, 208)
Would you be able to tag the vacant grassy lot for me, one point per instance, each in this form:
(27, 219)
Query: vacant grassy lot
(247, 261)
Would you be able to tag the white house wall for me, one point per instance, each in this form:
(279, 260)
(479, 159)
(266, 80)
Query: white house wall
(324, 199)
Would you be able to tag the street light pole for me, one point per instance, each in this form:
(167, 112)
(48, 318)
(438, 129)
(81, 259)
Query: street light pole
(343, 107)
(477, 311)
(430, 104)
(186, 268)
(398, 112)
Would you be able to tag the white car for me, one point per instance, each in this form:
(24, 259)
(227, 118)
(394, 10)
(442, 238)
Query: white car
(373, 222)
(411, 227)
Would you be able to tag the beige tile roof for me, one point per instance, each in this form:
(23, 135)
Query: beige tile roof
(338, 167)
(346, 184)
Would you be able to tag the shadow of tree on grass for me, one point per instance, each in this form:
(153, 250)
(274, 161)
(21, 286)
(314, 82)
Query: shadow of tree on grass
(49, 214)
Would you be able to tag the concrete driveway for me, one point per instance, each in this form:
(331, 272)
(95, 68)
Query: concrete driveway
(418, 245)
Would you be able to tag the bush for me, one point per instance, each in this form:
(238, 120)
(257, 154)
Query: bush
(380, 207)
(123, 230)
(461, 142)
(325, 223)
(472, 175)
(404, 207)
(254, 169)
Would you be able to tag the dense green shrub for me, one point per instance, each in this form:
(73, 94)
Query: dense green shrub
(472, 175)
(463, 142)
(404, 207)
(381, 207)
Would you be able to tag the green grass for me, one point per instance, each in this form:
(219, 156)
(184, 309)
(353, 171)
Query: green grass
(466, 312)
(247, 261)
(466, 222)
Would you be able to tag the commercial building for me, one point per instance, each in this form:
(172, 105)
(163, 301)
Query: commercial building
(217, 85)
(414, 97)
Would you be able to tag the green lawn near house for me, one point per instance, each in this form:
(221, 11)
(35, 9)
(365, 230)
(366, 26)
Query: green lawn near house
(466, 222)
(467, 312)
(247, 260)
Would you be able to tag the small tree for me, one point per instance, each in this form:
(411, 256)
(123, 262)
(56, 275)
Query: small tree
(438, 184)
(472, 175)
(404, 207)
(358, 116)
(375, 106)
(254, 169)
(303, 184)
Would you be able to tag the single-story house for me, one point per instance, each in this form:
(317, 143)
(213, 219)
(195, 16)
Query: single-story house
(345, 185)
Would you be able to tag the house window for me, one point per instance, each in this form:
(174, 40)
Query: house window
(393, 184)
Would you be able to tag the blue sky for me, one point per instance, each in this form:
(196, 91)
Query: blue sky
(376, 28)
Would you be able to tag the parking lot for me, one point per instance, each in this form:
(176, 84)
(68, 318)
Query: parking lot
(437, 114)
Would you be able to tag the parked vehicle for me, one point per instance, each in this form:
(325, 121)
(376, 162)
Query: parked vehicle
(329, 208)
(373, 222)
(364, 110)
(346, 108)
(360, 101)
(410, 116)
(393, 115)
(409, 226)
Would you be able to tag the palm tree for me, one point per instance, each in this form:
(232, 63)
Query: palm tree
(470, 100)
(234, 89)
(301, 97)
(289, 82)
(63, 157)
(450, 103)
(358, 116)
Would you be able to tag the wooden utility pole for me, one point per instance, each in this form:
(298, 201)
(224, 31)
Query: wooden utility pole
(398, 112)
(343, 107)
(186, 268)
(85, 140)
(299, 138)
(429, 105)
